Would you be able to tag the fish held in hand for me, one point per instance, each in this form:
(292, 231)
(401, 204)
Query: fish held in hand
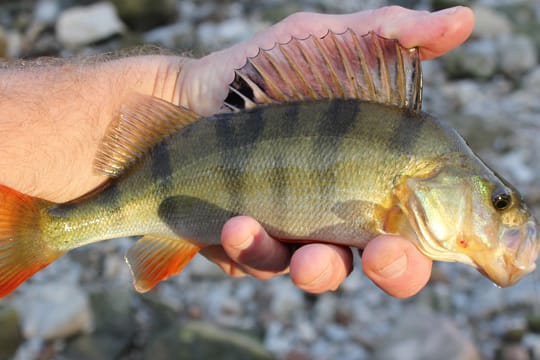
(326, 142)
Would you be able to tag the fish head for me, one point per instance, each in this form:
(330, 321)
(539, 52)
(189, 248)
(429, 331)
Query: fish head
(476, 218)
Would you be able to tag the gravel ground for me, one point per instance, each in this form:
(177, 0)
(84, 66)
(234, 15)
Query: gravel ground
(82, 307)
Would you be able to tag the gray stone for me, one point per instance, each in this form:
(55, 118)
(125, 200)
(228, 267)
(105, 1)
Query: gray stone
(46, 12)
(4, 43)
(532, 343)
(213, 36)
(517, 54)
(286, 300)
(94, 347)
(10, 335)
(30, 349)
(83, 25)
(490, 23)
(325, 308)
(178, 36)
(354, 282)
(113, 312)
(201, 267)
(336, 333)
(53, 310)
(516, 163)
(512, 352)
(420, 334)
(488, 300)
(531, 81)
(275, 338)
(476, 58)
(202, 341)
(146, 14)
(14, 42)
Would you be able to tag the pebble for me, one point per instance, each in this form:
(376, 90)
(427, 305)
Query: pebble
(413, 337)
(325, 308)
(10, 336)
(286, 299)
(476, 59)
(215, 36)
(83, 25)
(490, 23)
(46, 12)
(531, 81)
(517, 54)
(532, 343)
(200, 267)
(54, 310)
(513, 352)
(171, 36)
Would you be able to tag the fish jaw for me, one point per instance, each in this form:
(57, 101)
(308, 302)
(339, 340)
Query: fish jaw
(519, 250)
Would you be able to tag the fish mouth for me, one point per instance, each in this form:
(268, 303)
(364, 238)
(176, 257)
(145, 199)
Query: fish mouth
(521, 247)
(507, 275)
(515, 256)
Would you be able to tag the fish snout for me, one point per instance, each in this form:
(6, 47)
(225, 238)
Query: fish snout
(519, 250)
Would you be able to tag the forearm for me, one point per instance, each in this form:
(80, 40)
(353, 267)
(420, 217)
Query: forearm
(52, 118)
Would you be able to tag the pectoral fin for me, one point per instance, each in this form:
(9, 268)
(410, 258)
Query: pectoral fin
(153, 259)
(361, 214)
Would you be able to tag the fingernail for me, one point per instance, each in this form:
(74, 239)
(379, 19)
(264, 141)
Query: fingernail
(448, 11)
(394, 269)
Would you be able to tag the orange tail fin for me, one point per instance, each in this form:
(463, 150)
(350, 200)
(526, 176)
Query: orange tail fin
(23, 251)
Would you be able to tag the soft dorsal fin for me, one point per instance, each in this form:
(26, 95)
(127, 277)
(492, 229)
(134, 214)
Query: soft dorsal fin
(143, 122)
(345, 65)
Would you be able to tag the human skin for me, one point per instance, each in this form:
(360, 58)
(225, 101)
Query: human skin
(54, 116)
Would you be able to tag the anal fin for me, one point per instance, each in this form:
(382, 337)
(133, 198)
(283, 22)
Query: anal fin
(153, 259)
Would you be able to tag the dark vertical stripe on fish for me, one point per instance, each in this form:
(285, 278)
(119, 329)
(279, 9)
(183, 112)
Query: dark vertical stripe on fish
(247, 132)
(279, 183)
(112, 199)
(335, 123)
(161, 165)
(290, 120)
(407, 132)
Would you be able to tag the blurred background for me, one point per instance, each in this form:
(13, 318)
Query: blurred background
(83, 306)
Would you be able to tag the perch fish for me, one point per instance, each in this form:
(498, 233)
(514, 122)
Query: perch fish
(320, 140)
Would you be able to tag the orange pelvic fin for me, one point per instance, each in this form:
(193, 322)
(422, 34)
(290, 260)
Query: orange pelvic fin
(153, 259)
(23, 251)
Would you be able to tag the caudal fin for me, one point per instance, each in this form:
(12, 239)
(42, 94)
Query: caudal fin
(23, 251)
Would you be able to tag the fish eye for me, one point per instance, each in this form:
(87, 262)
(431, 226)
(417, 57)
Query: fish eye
(501, 199)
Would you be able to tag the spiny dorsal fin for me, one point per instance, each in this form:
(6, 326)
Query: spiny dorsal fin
(143, 122)
(345, 65)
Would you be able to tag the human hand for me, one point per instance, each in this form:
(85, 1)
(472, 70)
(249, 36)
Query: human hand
(391, 262)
